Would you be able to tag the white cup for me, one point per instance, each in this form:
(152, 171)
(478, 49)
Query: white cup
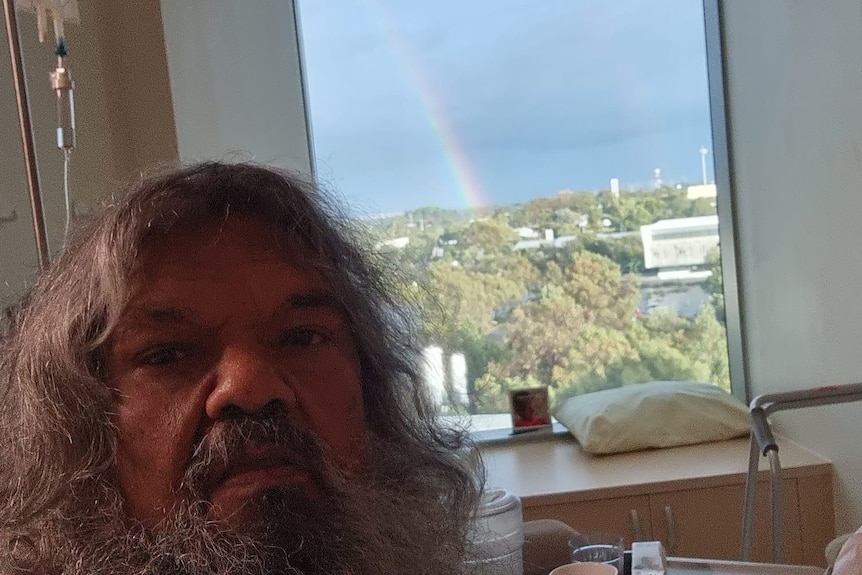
(585, 569)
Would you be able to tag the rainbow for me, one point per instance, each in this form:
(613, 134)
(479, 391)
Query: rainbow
(464, 176)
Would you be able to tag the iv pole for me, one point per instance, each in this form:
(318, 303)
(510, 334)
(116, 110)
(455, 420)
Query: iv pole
(26, 134)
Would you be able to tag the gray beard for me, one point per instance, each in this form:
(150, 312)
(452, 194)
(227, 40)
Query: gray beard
(384, 522)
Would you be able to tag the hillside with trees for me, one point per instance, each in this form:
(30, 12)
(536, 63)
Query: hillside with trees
(563, 315)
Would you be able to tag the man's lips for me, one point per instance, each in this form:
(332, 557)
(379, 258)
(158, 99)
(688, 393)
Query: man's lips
(261, 468)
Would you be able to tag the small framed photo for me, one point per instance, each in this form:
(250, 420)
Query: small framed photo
(529, 408)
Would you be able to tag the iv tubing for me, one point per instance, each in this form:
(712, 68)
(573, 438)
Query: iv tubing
(67, 195)
(26, 134)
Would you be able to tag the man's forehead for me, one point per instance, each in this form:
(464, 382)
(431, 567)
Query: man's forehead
(233, 230)
(200, 239)
(244, 252)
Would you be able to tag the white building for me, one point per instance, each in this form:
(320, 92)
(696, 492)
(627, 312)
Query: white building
(526, 233)
(679, 243)
(701, 191)
(548, 242)
(433, 373)
(397, 243)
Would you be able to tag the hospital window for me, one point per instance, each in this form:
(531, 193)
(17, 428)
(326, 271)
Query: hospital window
(506, 154)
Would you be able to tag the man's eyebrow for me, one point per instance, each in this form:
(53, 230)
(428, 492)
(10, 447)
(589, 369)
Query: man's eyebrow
(312, 299)
(141, 320)
(157, 315)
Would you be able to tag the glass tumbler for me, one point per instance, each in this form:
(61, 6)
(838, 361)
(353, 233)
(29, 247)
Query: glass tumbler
(598, 547)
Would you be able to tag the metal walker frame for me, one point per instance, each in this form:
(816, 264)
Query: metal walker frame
(763, 443)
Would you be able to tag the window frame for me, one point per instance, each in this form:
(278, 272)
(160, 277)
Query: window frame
(727, 206)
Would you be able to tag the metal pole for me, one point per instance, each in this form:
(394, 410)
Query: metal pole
(26, 134)
(776, 501)
(748, 504)
(763, 442)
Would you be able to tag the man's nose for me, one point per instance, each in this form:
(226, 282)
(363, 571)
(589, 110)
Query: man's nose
(247, 379)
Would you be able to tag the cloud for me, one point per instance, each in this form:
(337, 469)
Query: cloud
(515, 80)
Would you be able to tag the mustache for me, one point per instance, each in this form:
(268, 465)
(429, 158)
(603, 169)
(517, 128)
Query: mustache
(230, 442)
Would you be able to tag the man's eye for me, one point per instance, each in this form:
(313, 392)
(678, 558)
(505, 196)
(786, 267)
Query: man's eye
(162, 355)
(304, 337)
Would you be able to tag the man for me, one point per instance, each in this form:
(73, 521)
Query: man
(216, 378)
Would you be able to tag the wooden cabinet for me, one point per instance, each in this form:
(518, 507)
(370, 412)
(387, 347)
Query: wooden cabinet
(628, 516)
(708, 522)
(705, 523)
(690, 498)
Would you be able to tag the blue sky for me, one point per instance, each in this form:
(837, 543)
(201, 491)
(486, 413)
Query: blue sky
(536, 97)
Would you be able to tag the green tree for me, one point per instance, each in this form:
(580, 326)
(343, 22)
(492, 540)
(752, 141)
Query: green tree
(478, 350)
(596, 284)
(538, 337)
(563, 317)
(675, 348)
(487, 239)
(714, 285)
(627, 252)
(475, 296)
(572, 330)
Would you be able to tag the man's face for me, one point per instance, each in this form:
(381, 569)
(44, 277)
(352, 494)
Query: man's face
(218, 325)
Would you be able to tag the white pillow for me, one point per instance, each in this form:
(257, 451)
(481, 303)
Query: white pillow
(654, 414)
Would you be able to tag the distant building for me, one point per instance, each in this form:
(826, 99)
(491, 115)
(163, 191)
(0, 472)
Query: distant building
(433, 373)
(526, 233)
(447, 239)
(446, 389)
(549, 241)
(458, 378)
(397, 243)
(700, 191)
(615, 187)
(680, 243)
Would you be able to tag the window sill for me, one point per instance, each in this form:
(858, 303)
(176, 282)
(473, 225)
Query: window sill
(505, 436)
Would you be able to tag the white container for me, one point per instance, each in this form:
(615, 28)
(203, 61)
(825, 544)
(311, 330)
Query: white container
(496, 545)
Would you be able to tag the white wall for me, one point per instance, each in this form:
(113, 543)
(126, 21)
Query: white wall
(236, 81)
(124, 120)
(794, 77)
(155, 81)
